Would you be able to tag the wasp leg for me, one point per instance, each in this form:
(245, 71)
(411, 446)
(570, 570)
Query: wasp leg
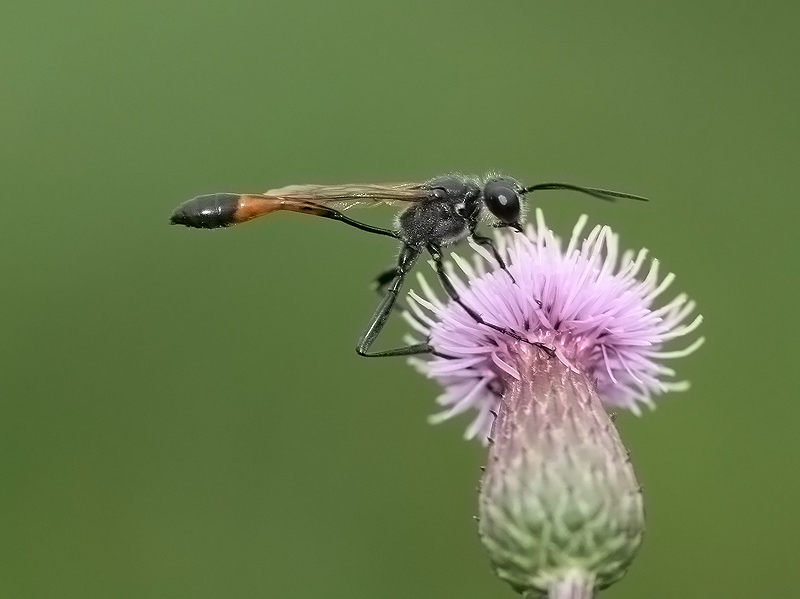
(488, 243)
(326, 212)
(394, 276)
(448, 287)
(379, 285)
(408, 256)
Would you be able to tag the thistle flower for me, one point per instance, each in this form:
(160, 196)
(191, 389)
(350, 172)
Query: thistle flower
(560, 510)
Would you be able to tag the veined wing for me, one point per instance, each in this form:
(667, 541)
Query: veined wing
(346, 196)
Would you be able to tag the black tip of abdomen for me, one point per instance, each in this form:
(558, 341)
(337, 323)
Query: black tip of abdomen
(207, 211)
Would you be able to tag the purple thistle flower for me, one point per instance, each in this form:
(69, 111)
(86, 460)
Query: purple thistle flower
(594, 312)
(560, 510)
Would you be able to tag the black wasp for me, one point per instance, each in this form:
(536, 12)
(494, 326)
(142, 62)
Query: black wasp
(437, 213)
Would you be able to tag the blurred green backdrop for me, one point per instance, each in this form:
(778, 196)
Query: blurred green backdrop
(183, 414)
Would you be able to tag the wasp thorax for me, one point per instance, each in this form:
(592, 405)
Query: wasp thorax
(454, 188)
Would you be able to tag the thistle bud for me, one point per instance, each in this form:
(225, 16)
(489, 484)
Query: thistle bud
(559, 506)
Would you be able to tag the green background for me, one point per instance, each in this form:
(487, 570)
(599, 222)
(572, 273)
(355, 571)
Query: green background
(183, 414)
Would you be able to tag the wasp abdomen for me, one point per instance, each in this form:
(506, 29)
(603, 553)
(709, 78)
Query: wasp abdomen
(207, 211)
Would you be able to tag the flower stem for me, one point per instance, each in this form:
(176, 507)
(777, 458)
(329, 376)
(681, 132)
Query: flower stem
(572, 587)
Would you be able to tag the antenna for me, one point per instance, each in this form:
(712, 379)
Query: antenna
(603, 194)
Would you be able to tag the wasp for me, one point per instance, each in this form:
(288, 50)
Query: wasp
(435, 214)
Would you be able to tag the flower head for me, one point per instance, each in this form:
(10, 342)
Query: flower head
(560, 511)
(585, 301)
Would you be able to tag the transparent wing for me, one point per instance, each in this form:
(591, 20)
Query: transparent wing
(346, 196)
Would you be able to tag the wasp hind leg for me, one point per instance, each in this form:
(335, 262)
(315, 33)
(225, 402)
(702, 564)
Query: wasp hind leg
(392, 282)
(327, 212)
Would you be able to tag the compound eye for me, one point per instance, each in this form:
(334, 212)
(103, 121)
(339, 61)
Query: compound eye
(502, 200)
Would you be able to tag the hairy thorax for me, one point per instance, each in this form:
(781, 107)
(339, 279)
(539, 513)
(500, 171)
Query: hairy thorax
(432, 222)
